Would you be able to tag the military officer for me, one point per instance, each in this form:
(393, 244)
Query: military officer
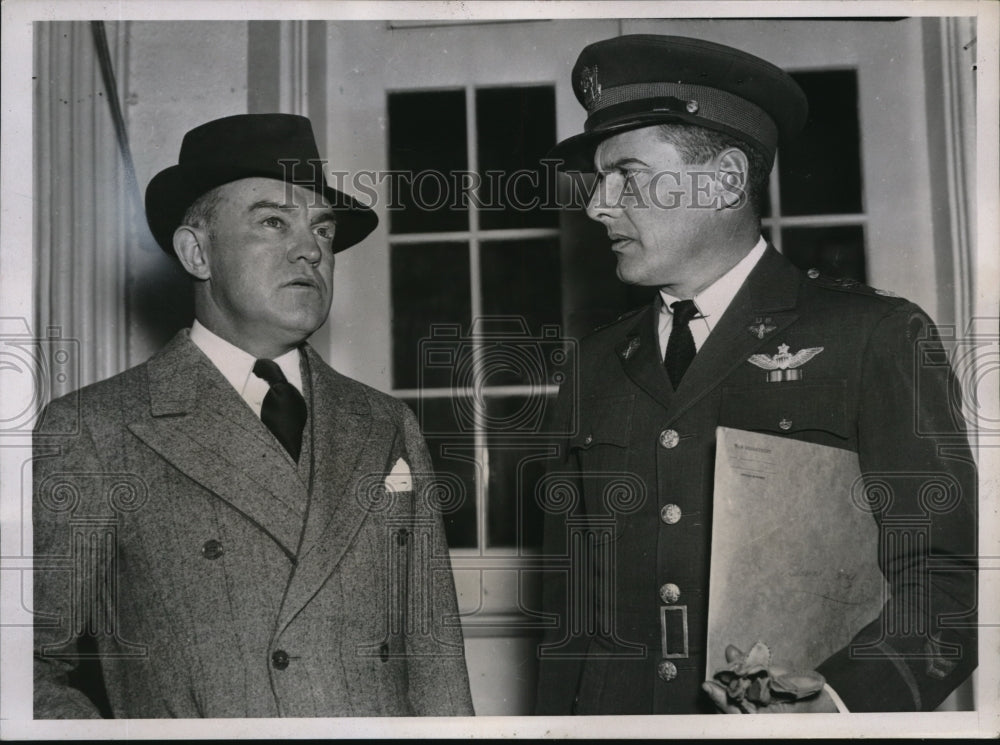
(682, 135)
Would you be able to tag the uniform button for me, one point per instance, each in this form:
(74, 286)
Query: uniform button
(666, 670)
(669, 593)
(813, 273)
(785, 424)
(670, 514)
(692, 107)
(212, 549)
(588, 439)
(279, 659)
(669, 438)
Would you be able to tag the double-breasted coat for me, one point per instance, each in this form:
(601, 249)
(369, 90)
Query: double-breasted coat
(881, 387)
(184, 558)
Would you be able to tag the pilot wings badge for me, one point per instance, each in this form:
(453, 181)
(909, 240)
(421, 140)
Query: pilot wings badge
(784, 366)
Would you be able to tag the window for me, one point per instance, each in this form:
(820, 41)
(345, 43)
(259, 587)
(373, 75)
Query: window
(816, 212)
(476, 297)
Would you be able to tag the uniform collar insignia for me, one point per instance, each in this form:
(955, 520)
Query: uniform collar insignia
(628, 351)
(761, 327)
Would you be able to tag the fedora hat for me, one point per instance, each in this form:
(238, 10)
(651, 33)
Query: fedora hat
(642, 80)
(276, 146)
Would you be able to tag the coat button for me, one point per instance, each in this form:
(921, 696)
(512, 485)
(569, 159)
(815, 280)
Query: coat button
(212, 549)
(279, 659)
(669, 593)
(588, 439)
(670, 514)
(813, 273)
(669, 438)
(785, 424)
(666, 670)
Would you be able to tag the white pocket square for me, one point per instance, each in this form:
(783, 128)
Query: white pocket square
(399, 478)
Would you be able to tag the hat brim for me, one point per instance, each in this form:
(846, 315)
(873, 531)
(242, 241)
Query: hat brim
(175, 189)
(577, 152)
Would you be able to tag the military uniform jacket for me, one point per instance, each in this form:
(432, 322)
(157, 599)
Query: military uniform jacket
(192, 569)
(643, 459)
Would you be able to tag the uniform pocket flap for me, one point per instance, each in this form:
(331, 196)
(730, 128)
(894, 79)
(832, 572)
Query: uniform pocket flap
(604, 421)
(787, 407)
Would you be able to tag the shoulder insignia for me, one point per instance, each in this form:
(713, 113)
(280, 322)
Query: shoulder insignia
(624, 316)
(847, 284)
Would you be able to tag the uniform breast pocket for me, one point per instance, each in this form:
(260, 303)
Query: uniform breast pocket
(605, 427)
(788, 408)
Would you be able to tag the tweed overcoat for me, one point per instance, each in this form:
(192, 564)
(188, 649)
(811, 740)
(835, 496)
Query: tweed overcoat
(192, 569)
(881, 387)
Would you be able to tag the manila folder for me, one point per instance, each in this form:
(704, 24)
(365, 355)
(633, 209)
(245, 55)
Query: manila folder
(794, 551)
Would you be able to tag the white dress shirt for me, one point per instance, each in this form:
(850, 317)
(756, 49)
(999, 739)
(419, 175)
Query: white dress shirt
(236, 366)
(711, 302)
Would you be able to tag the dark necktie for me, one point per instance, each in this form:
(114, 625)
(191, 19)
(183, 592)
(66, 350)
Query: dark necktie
(680, 345)
(284, 409)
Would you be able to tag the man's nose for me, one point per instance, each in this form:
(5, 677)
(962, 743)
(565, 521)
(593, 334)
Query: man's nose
(605, 202)
(305, 245)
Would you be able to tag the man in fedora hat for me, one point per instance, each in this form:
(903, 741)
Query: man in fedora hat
(682, 135)
(233, 529)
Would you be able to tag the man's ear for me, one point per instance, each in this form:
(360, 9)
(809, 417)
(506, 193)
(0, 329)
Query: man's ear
(189, 245)
(732, 179)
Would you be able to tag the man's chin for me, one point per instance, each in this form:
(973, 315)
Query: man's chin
(631, 276)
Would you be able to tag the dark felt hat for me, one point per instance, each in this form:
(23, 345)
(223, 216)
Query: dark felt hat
(277, 146)
(642, 80)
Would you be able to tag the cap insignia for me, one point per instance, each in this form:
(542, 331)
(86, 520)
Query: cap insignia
(590, 86)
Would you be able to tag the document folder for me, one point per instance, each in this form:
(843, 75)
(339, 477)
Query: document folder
(794, 550)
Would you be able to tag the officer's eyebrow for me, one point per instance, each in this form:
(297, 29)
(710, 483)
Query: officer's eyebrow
(621, 163)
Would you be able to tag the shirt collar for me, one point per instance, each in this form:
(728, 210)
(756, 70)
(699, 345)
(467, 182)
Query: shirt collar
(714, 299)
(235, 364)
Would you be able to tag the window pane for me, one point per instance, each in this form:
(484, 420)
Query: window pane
(522, 278)
(516, 128)
(820, 170)
(452, 456)
(514, 517)
(836, 251)
(427, 144)
(521, 281)
(431, 308)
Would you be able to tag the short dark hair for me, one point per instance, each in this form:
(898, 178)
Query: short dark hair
(699, 145)
(201, 213)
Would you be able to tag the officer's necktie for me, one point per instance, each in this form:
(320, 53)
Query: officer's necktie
(284, 409)
(680, 345)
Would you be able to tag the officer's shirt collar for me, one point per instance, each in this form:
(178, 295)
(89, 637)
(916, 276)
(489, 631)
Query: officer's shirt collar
(712, 301)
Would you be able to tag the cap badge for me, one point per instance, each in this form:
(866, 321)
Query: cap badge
(783, 366)
(761, 327)
(590, 86)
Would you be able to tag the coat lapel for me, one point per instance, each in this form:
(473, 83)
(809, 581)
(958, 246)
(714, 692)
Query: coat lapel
(344, 438)
(203, 427)
(769, 293)
(639, 354)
